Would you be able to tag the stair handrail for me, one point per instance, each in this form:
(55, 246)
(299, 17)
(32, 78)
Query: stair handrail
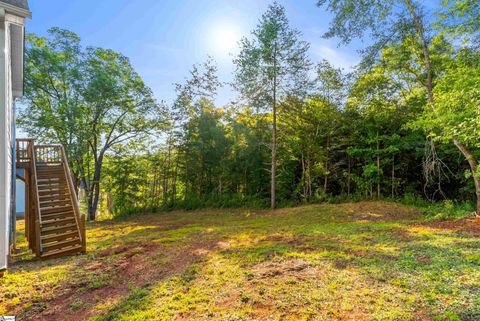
(38, 218)
(79, 218)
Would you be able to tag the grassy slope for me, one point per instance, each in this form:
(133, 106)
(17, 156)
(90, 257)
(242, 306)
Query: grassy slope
(362, 261)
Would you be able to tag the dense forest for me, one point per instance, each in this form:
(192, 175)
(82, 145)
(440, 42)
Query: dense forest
(404, 124)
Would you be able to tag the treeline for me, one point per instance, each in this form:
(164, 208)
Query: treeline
(405, 123)
(324, 154)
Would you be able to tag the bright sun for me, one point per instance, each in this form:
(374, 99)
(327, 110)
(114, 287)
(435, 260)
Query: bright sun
(225, 38)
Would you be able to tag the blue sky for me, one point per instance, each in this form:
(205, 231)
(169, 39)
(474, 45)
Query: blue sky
(164, 38)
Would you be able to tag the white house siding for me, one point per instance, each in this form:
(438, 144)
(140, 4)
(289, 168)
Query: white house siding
(7, 135)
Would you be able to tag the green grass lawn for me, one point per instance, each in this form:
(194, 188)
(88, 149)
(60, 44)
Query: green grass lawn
(359, 261)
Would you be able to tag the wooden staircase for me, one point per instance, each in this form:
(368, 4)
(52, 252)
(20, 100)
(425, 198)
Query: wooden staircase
(54, 225)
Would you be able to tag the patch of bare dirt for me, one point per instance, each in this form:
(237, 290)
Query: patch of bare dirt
(294, 267)
(131, 248)
(285, 239)
(136, 267)
(379, 211)
(470, 226)
(402, 234)
(423, 259)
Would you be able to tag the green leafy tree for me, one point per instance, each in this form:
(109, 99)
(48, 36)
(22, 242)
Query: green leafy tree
(94, 100)
(54, 80)
(271, 64)
(456, 116)
(390, 22)
(198, 90)
(209, 148)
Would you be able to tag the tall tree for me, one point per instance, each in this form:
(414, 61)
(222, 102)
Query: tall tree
(456, 116)
(271, 64)
(88, 100)
(198, 90)
(121, 108)
(53, 91)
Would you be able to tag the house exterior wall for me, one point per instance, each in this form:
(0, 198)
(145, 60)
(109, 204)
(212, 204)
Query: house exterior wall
(5, 145)
(8, 67)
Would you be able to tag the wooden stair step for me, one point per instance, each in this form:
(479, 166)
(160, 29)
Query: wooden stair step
(54, 197)
(52, 188)
(58, 229)
(53, 191)
(55, 209)
(50, 178)
(55, 173)
(50, 166)
(58, 168)
(54, 202)
(67, 213)
(51, 175)
(49, 181)
(42, 166)
(59, 237)
(62, 252)
(58, 222)
(61, 244)
(48, 217)
(52, 183)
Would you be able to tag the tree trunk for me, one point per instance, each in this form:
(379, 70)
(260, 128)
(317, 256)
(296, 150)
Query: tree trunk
(378, 166)
(274, 134)
(304, 176)
(327, 156)
(393, 176)
(245, 186)
(473, 162)
(309, 178)
(187, 173)
(420, 30)
(274, 155)
(92, 213)
(94, 191)
(349, 176)
(175, 174)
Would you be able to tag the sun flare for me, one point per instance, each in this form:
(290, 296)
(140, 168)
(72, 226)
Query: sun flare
(225, 38)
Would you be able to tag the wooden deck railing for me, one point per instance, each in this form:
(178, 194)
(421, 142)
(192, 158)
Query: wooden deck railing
(24, 151)
(48, 154)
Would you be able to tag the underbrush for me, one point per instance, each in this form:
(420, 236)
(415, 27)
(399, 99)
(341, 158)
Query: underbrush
(445, 210)
(218, 201)
(196, 203)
